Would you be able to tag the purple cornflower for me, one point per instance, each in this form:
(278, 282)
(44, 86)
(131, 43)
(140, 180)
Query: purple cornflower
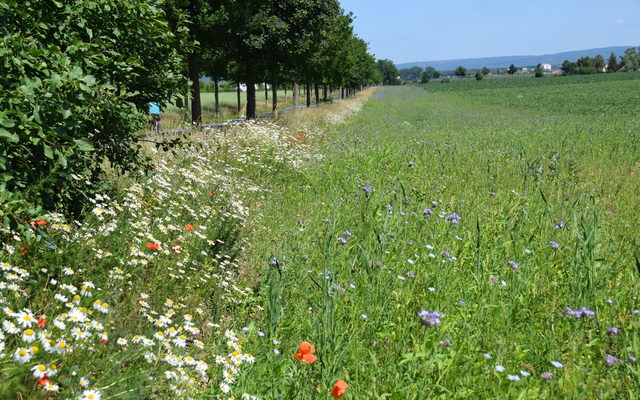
(584, 312)
(299, 222)
(612, 331)
(610, 360)
(609, 301)
(430, 318)
(487, 356)
(499, 368)
(411, 163)
(453, 218)
(554, 245)
(410, 274)
(546, 376)
(632, 359)
(513, 264)
(559, 226)
(446, 343)
(435, 203)
(274, 261)
(343, 240)
(445, 253)
(427, 212)
(347, 233)
(513, 377)
(389, 208)
(367, 189)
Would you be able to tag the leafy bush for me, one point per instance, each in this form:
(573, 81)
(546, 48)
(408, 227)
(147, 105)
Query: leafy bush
(76, 77)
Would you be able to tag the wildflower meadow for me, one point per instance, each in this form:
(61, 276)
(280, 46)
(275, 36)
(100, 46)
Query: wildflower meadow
(405, 243)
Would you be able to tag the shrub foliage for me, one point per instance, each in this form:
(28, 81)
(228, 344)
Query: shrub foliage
(76, 78)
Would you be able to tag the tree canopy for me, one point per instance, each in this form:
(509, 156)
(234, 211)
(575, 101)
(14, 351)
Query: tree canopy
(388, 71)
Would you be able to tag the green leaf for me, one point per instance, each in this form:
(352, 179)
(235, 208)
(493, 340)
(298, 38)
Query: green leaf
(48, 152)
(11, 137)
(83, 145)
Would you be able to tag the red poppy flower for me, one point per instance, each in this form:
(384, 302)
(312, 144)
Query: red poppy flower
(23, 249)
(42, 321)
(188, 227)
(153, 246)
(305, 353)
(44, 381)
(41, 222)
(338, 389)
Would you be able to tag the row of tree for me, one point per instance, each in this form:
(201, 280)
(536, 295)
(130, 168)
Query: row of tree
(77, 77)
(308, 42)
(630, 61)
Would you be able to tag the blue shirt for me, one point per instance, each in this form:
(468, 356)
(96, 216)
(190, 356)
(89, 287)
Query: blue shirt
(154, 108)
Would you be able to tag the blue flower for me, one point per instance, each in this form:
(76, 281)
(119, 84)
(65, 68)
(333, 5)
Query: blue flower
(453, 218)
(557, 364)
(430, 318)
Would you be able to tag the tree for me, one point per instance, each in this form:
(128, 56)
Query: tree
(631, 59)
(433, 73)
(479, 76)
(75, 92)
(389, 72)
(411, 74)
(599, 63)
(612, 64)
(485, 71)
(512, 69)
(426, 77)
(569, 68)
(539, 72)
(460, 72)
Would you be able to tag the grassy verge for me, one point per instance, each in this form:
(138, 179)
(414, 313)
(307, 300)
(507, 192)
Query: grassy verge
(440, 248)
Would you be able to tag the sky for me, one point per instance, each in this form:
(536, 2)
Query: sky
(426, 30)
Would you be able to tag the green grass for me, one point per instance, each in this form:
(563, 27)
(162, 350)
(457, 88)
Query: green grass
(229, 99)
(512, 174)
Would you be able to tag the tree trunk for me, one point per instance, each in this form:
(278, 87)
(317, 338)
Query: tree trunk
(238, 96)
(194, 76)
(266, 95)
(217, 99)
(324, 93)
(274, 92)
(317, 92)
(296, 93)
(251, 91)
(342, 93)
(307, 89)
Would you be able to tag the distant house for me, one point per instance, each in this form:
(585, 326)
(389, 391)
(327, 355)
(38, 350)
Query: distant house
(524, 70)
(546, 67)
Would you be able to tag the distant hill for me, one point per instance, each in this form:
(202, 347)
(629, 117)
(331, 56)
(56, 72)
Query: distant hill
(520, 61)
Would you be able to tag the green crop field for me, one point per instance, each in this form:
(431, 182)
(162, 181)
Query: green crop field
(493, 219)
(425, 244)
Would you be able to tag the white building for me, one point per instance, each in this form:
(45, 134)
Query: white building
(546, 67)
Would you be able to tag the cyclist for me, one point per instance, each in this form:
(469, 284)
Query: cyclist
(154, 117)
